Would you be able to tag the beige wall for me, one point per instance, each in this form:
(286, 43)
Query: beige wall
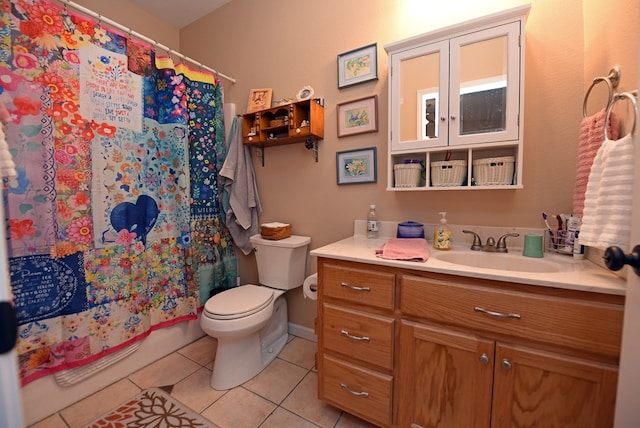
(287, 44)
(137, 19)
(611, 37)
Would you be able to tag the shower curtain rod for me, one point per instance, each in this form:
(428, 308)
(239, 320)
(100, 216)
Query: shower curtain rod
(129, 31)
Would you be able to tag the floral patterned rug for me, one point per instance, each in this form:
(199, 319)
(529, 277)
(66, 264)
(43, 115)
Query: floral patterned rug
(151, 408)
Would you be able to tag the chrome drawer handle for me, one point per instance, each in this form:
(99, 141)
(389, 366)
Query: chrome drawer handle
(353, 287)
(350, 336)
(359, 394)
(496, 314)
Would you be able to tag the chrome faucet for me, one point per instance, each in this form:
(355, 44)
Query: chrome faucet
(490, 246)
(477, 242)
(501, 246)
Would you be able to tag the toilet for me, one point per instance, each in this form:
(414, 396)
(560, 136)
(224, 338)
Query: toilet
(250, 321)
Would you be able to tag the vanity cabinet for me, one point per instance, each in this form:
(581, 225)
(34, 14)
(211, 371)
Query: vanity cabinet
(357, 336)
(406, 348)
(456, 94)
(523, 359)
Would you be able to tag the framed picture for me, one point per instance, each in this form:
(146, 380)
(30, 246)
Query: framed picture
(259, 99)
(356, 166)
(358, 116)
(358, 66)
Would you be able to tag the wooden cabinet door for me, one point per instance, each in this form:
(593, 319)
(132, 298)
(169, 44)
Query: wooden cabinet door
(534, 388)
(445, 378)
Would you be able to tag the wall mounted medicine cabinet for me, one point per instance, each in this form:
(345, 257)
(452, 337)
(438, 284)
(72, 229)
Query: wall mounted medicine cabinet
(302, 121)
(456, 106)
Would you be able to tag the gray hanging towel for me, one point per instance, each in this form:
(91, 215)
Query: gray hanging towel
(241, 202)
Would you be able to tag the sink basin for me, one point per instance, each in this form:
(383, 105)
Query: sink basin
(498, 261)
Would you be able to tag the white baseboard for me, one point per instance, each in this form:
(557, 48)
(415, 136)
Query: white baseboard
(303, 332)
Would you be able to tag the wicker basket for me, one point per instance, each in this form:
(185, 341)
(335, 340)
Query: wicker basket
(448, 173)
(493, 171)
(275, 231)
(407, 174)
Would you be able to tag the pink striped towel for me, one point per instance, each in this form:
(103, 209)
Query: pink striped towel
(411, 249)
(591, 138)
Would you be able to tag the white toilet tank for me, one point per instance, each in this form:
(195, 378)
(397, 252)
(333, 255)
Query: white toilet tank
(281, 263)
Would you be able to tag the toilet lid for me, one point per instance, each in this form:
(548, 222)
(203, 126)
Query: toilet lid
(238, 302)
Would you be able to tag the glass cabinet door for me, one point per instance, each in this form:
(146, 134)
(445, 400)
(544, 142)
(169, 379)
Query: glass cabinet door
(459, 91)
(419, 93)
(484, 77)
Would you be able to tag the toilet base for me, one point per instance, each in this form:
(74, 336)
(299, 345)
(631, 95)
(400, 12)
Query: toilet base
(238, 359)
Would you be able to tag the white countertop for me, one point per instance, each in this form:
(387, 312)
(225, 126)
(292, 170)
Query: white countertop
(573, 274)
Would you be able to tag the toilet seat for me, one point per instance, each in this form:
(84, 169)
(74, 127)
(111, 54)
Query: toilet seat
(238, 302)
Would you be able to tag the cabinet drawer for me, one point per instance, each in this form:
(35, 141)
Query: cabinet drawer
(365, 393)
(583, 325)
(362, 336)
(361, 286)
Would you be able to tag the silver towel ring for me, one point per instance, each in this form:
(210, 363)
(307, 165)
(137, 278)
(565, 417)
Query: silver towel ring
(611, 80)
(631, 96)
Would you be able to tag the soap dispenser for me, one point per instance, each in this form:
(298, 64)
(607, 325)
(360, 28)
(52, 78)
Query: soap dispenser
(442, 234)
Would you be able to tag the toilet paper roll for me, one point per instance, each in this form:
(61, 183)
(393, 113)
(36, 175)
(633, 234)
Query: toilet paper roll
(310, 287)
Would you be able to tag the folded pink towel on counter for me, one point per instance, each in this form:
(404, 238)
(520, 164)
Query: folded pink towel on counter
(411, 249)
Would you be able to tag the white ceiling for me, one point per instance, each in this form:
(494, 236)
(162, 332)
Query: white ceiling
(179, 13)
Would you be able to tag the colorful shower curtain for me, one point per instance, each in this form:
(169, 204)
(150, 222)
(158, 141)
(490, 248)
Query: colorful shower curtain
(114, 220)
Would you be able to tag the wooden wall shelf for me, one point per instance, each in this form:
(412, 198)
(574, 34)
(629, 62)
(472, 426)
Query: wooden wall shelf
(299, 122)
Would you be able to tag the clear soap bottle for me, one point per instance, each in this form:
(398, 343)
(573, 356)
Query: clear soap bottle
(442, 234)
(372, 223)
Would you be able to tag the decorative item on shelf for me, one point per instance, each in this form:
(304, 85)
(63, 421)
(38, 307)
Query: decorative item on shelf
(305, 93)
(493, 171)
(358, 66)
(358, 116)
(448, 173)
(356, 166)
(279, 121)
(282, 102)
(259, 99)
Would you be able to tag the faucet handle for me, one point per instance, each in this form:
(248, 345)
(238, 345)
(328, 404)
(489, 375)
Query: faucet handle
(501, 246)
(477, 242)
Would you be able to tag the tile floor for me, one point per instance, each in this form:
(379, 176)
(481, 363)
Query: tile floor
(283, 395)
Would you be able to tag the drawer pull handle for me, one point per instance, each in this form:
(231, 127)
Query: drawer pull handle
(353, 287)
(496, 314)
(359, 394)
(350, 336)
